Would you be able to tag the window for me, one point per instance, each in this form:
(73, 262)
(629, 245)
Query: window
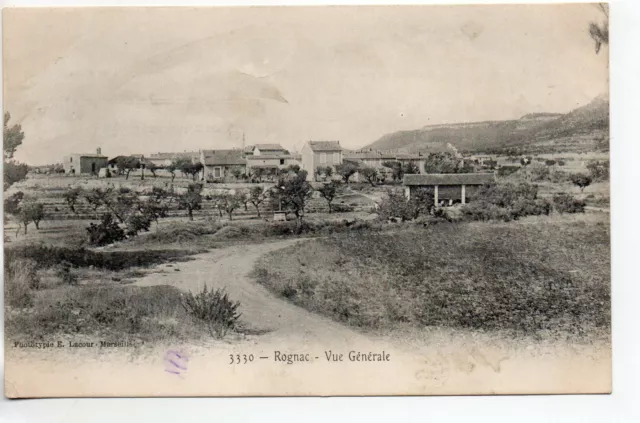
(323, 158)
(336, 158)
(216, 172)
(281, 161)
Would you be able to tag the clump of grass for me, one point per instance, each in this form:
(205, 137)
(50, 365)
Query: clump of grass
(20, 278)
(49, 256)
(529, 279)
(145, 313)
(214, 308)
(65, 274)
(179, 232)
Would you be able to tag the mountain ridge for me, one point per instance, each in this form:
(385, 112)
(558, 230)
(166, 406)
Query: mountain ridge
(583, 128)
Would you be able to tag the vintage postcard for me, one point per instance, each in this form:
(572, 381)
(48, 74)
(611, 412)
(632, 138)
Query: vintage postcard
(292, 201)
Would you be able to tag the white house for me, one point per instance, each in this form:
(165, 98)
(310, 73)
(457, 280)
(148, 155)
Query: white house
(317, 154)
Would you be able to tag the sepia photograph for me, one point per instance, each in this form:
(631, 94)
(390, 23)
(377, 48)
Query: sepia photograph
(306, 201)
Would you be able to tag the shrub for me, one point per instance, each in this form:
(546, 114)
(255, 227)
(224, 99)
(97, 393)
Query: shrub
(506, 202)
(20, 279)
(528, 207)
(559, 176)
(48, 257)
(342, 208)
(539, 173)
(230, 232)
(599, 170)
(507, 170)
(566, 203)
(106, 232)
(138, 223)
(66, 275)
(396, 205)
(485, 211)
(214, 308)
(581, 180)
(504, 195)
(71, 197)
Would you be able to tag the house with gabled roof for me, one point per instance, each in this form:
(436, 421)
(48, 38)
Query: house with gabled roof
(221, 164)
(269, 149)
(317, 154)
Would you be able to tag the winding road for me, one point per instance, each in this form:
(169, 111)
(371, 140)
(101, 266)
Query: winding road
(262, 311)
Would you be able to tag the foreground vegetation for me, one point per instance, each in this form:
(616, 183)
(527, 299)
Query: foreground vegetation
(46, 297)
(528, 279)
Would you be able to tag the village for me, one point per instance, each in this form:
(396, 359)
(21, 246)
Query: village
(324, 161)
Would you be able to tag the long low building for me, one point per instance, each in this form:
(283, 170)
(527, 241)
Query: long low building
(448, 187)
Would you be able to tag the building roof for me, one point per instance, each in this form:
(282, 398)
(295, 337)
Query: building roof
(269, 157)
(90, 155)
(325, 145)
(378, 155)
(264, 166)
(223, 157)
(171, 156)
(450, 179)
(269, 147)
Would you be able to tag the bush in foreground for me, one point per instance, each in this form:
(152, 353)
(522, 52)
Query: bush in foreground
(506, 202)
(106, 232)
(214, 308)
(567, 203)
(115, 313)
(20, 279)
(47, 257)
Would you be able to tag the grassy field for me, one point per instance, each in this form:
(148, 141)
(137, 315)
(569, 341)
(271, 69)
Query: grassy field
(538, 276)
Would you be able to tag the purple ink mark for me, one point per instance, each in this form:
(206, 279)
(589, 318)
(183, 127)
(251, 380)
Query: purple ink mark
(175, 362)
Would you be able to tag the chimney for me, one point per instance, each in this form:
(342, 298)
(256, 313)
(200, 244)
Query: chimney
(99, 151)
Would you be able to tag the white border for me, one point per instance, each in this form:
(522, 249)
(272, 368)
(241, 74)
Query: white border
(621, 406)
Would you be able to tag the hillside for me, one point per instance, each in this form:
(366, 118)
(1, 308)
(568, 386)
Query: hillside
(583, 129)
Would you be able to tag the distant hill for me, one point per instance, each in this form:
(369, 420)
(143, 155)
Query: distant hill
(583, 129)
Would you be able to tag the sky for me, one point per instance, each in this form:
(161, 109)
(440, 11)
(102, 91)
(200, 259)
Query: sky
(146, 80)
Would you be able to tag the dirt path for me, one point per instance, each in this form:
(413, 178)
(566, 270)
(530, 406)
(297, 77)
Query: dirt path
(261, 310)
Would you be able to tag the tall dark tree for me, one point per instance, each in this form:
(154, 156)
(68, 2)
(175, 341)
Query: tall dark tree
(581, 180)
(397, 173)
(370, 174)
(600, 31)
(347, 169)
(152, 167)
(187, 167)
(126, 164)
(12, 136)
(172, 169)
(191, 200)
(329, 192)
(293, 193)
(257, 195)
